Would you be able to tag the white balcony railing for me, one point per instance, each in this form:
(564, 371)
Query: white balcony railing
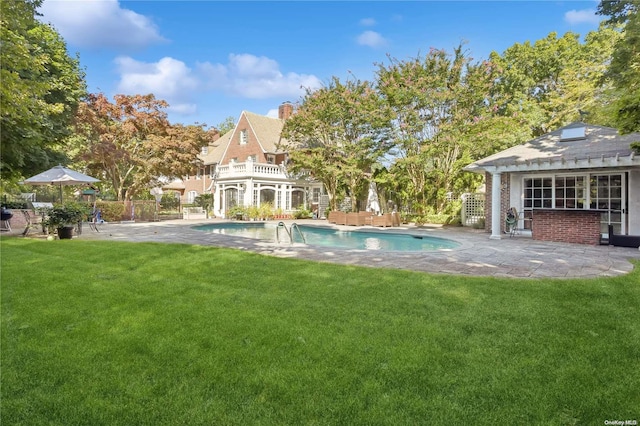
(251, 169)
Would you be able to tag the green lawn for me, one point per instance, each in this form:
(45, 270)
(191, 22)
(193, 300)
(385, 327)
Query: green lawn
(106, 333)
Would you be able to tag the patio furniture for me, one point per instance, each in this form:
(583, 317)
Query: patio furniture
(338, 217)
(511, 222)
(384, 220)
(623, 240)
(358, 219)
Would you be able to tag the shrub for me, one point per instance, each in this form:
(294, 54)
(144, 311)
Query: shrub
(266, 211)
(236, 212)
(302, 214)
(111, 211)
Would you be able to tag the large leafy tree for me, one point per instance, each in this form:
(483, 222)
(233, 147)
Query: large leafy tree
(337, 134)
(444, 118)
(40, 91)
(130, 142)
(624, 69)
(556, 80)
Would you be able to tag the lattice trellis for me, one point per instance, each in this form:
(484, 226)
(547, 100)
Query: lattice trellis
(472, 209)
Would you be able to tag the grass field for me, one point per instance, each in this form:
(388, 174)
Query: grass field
(107, 333)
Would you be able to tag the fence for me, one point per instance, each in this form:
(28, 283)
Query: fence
(472, 209)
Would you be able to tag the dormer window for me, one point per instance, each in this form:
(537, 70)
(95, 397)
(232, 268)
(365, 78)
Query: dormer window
(573, 133)
(243, 137)
(204, 150)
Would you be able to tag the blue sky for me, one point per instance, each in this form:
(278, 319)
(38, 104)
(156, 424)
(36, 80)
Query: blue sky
(213, 59)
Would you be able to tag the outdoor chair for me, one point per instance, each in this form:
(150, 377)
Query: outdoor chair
(95, 219)
(511, 222)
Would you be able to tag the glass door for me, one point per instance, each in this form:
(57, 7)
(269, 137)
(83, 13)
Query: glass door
(607, 192)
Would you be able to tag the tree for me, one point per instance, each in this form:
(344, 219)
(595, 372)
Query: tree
(619, 11)
(132, 144)
(40, 91)
(337, 134)
(444, 118)
(226, 126)
(556, 80)
(624, 69)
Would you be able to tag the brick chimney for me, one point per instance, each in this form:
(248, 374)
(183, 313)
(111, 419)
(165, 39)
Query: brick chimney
(285, 110)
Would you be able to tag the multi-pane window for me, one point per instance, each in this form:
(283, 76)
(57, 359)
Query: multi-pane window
(606, 192)
(570, 192)
(603, 192)
(538, 192)
(243, 137)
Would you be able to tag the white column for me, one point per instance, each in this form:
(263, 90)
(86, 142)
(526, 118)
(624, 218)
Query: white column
(496, 233)
(216, 201)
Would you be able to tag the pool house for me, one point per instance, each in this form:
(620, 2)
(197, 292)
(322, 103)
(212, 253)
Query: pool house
(568, 185)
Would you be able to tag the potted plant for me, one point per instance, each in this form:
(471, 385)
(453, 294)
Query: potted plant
(63, 217)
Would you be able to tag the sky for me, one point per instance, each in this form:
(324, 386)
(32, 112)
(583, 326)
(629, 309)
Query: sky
(211, 60)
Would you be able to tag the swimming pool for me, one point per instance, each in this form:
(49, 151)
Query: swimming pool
(319, 236)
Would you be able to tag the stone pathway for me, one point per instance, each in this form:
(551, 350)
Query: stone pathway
(477, 254)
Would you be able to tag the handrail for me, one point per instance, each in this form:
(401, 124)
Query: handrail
(295, 225)
(281, 225)
(289, 231)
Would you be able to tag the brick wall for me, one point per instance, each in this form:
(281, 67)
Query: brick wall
(285, 110)
(242, 151)
(567, 226)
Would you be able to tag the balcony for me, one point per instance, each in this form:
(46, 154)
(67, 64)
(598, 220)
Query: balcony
(251, 169)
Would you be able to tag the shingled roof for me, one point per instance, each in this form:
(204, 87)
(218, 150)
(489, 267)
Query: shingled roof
(566, 148)
(268, 131)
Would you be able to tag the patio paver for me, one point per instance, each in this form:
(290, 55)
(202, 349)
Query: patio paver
(477, 254)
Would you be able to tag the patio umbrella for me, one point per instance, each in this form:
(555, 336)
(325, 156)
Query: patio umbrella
(59, 176)
(373, 204)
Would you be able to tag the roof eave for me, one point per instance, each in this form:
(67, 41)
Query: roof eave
(537, 165)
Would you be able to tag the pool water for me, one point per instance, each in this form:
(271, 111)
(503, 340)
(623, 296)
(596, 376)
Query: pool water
(362, 240)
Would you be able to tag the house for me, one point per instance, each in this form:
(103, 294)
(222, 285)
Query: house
(247, 167)
(567, 185)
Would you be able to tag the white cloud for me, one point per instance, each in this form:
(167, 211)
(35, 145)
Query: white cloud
(244, 76)
(256, 77)
(585, 16)
(367, 22)
(273, 113)
(168, 79)
(99, 24)
(371, 39)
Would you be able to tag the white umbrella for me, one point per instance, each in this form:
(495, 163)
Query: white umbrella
(59, 175)
(373, 204)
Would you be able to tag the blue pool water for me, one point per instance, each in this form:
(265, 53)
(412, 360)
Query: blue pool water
(362, 240)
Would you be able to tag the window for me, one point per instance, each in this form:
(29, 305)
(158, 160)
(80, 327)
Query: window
(191, 196)
(204, 150)
(606, 192)
(538, 193)
(243, 137)
(253, 158)
(572, 133)
(570, 192)
(271, 159)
